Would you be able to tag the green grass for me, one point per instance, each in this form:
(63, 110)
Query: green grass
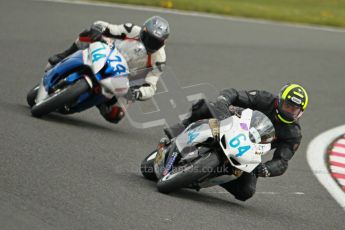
(321, 12)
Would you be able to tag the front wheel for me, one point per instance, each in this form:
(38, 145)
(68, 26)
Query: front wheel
(147, 166)
(189, 174)
(60, 98)
(31, 96)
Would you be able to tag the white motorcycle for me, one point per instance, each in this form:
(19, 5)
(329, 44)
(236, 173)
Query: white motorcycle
(210, 152)
(87, 78)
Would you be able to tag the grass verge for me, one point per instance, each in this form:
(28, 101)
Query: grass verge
(319, 12)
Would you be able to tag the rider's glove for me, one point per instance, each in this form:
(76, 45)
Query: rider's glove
(96, 32)
(262, 171)
(133, 94)
(137, 94)
(219, 109)
(235, 110)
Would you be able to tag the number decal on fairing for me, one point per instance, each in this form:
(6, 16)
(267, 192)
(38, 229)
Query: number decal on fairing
(117, 58)
(96, 56)
(236, 142)
(118, 68)
(242, 150)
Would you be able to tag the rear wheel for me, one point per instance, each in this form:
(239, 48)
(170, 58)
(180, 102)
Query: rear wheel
(188, 174)
(147, 166)
(31, 96)
(60, 98)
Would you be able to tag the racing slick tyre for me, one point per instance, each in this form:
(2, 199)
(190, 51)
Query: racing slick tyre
(182, 176)
(60, 98)
(147, 166)
(31, 96)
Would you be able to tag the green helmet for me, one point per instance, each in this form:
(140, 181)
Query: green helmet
(292, 101)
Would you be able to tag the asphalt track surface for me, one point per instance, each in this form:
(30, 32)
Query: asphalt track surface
(80, 172)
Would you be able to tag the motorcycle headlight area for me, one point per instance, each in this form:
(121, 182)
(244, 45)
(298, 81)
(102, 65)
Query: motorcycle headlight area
(117, 86)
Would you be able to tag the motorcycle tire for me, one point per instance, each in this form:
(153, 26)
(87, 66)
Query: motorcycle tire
(197, 170)
(60, 98)
(147, 166)
(31, 96)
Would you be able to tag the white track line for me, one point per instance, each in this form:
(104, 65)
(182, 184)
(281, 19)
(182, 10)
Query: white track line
(316, 159)
(197, 14)
(265, 193)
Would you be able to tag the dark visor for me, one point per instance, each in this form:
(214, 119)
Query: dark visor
(151, 43)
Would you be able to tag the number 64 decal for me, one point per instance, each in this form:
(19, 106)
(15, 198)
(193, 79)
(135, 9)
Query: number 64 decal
(236, 142)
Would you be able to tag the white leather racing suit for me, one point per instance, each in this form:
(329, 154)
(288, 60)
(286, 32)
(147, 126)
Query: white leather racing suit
(155, 61)
(152, 63)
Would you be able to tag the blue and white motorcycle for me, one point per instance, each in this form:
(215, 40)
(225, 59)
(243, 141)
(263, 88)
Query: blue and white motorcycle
(82, 80)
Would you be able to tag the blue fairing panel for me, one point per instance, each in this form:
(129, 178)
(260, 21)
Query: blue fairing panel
(71, 62)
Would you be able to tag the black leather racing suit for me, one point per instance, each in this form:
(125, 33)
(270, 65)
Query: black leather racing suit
(288, 136)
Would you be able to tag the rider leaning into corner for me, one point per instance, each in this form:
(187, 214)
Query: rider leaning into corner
(152, 35)
(283, 110)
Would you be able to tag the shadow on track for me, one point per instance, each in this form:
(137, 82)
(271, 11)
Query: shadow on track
(58, 118)
(77, 122)
(185, 194)
(14, 107)
(205, 198)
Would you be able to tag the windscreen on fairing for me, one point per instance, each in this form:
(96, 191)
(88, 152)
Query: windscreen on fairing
(261, 128)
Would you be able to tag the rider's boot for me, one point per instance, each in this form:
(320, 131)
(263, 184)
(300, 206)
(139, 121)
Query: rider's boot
(200, 110)
(112, 113)
(53, 60)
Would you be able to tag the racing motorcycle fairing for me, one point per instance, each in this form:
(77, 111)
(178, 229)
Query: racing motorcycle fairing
(239, 141)
(106, 67)
(195, 133)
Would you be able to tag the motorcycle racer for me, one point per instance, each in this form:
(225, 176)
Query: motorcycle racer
(283, 110)
(152, 35)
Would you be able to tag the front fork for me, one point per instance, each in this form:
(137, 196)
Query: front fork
(163, 154)
(42, 93)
